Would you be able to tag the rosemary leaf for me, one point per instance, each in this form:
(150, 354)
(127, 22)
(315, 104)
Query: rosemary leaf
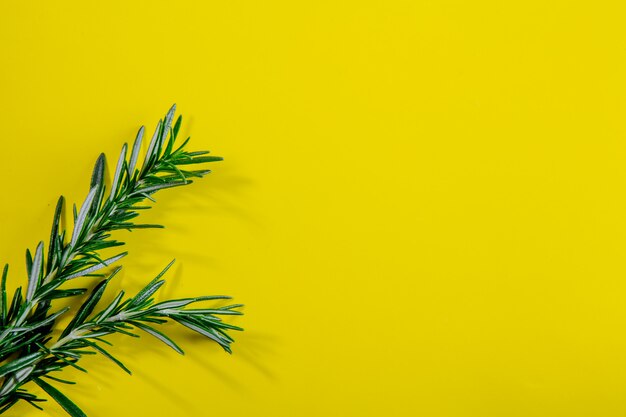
(28, 351)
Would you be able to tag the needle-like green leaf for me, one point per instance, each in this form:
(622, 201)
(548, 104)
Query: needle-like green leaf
(82, 215)
(88, 306)
(98, 266)
(135, 154)
(35, 272)
(67, 404)
(118, 173)
(163, 338)
(54, 233)
(3, 294)
(20, 363)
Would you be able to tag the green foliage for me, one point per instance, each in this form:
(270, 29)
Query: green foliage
(28, 351)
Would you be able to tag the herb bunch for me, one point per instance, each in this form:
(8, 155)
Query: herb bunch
(30, 349)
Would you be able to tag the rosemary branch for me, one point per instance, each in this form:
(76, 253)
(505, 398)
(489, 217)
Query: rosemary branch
(27, 350)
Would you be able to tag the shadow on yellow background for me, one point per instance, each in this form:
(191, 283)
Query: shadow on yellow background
(421, 204)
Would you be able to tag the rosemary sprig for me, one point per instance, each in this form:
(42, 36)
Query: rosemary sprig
(28, 351)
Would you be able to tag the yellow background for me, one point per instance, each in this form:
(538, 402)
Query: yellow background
(422, 203)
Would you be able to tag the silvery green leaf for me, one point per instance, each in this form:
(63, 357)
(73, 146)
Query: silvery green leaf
(169, 118)
(173, 304)
(153, 144)
(185, 301)
(135, 153)
(166, 127)
(42, 323)
(152, 286)
(82, 215)
(147, 292)
(98, 266)
(158, 187)
(214, 311)
(20, 363)
(118, 172)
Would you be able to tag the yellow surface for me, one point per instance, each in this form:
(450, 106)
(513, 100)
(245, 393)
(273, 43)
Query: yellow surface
(422, 204)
